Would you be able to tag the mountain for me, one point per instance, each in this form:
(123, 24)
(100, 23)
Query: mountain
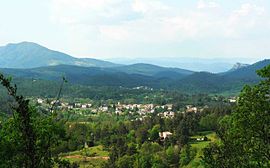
(231, 81)
(52, 72)
(156, 77)
(215, 65)
(29, 60)
(247, 72)
(152, 70)
(27, 55)
(238, 66)
(31, 55)
(93, 76)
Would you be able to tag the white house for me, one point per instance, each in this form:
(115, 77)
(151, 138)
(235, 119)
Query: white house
(164, 135)
(40, 101)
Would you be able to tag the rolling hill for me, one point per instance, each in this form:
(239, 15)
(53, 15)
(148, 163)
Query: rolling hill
(157, 77)
(31, 61)
(28, 55)
(31, 55)
(231, 81)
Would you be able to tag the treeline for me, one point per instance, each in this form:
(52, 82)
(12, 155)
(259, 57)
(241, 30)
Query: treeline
(48, 89)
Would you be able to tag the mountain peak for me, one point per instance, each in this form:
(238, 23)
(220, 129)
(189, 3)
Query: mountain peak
(239, 65)
(24, 43)
(31, 55)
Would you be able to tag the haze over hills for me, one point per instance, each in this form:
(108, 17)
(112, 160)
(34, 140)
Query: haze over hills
(31, 55)
(204, 82)
(216, 65)
(29, 60)
(150, 70)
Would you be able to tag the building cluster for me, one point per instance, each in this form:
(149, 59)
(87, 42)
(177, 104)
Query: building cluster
(143, 109)
(164, 111)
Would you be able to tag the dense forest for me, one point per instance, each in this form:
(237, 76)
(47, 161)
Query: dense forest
(84, 80)
(222, 135)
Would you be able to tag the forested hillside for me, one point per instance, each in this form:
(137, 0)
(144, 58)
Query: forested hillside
(134, 76)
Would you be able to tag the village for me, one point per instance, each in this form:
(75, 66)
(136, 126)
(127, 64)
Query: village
(137, 111)
(164, 111)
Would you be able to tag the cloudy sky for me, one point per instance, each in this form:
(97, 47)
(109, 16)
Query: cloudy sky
(110, 29)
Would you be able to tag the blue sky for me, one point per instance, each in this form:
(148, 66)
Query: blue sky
(113, 29)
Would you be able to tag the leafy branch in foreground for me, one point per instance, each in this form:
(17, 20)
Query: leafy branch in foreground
(27, 139)
(245, 135)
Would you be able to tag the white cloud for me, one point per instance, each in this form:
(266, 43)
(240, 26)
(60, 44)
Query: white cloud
(203, 4)
(114, 33)
(91, 11)
(125, 23)
(150, 6)
(248, 18)
(247, 9)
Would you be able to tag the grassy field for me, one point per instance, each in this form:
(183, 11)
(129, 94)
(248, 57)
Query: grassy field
(88, 157)
(199, 146)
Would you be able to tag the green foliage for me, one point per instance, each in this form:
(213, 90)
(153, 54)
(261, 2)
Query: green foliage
(187, 154)
(172, 156)
(125, 162)
(154, 133)
(139, 75)
(245, 134)
(209, 122)
(28, 138)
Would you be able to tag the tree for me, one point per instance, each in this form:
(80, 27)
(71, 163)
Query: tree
(28, 137)
(187, 154)
(154, 133)
(125, 162)
(209, 122)
(182, 133)
(141, 135)
(245, 135)
(172, 156)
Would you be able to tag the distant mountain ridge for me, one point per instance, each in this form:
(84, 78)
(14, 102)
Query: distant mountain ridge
(28, 55)
(201, 82)
(29, 60)
(32, 55)
(150, 70)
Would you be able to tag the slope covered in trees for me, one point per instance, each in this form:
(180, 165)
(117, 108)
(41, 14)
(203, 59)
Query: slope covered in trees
(158, 77)
(245, 134)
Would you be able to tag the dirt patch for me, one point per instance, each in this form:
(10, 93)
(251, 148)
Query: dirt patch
(86, 158)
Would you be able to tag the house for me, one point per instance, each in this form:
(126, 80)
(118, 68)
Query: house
(56, 103)
(64, 104)
(190, 108)
(169, 106)
(78, 105)
(70, 107)
(118, 112)
(168, 114)
(202, 139)
(232, 100)
(104, 109)
(40, 101)
(164, 135)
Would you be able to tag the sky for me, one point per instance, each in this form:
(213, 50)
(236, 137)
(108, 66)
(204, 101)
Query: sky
(138, 29)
